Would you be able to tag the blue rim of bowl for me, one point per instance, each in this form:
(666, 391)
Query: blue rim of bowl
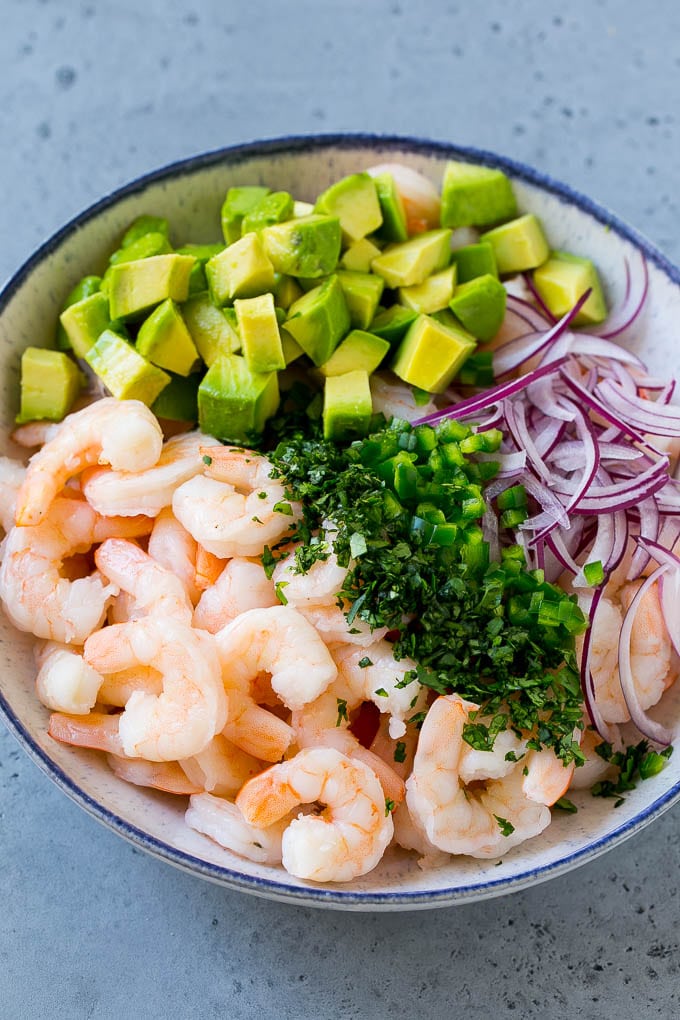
(312, 895)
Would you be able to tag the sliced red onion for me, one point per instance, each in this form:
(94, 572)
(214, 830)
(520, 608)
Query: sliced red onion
(601, 347)
(511, 464)
(649, 529)
(633, 301)
(649, 728)
(647, 415)
(545, 311)
(515, 417)
(603, 411)
(512, 354)
(490, 533)
(606, 731)
(549, 435)
(559, 550)
(534, 316)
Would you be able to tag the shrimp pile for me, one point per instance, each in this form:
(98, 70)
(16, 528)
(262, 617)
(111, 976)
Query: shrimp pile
(162, 645)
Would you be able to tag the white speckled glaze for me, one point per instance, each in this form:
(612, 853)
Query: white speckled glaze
(189, 194)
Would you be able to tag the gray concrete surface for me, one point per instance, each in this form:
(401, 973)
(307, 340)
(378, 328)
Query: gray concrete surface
(90, 95)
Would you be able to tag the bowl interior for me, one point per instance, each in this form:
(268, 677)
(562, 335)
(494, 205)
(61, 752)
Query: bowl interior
(190, 195)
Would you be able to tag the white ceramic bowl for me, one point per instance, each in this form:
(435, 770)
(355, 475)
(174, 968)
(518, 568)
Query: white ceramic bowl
(189, 193)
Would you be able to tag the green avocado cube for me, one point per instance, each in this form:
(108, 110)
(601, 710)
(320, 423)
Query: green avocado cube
(475, 196)
(125, 373)
(306, 246)
(136, 286)
(211, 330)
(394, 227)
(358, 257)
(200, 252)
(143, 248)
(259, 330)
(84, 288)
(432, 294)
(474, 260)
(402, 265)
(237, 203)
(50, 383)
(84, 321)
(273, 208)
(164, 340)
(179, 400)
(518, 245)
(354, 200)
(290, 347)
(479, 304)
(302, 208)
(359, 351)
(362, 293)
(430, 354)
(319, 320)
(347, 406)
(233, 402)
(563, 279)
(286, 290)
(241, 270)
(391, 323)
(145, 225)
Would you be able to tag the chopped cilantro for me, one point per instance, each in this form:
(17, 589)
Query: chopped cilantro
(278, 589)
(564, 804)
(632, 764)
(342, 711)
(400, 751)
(382, 693)
(206, 459)
(256, 520)
(363, 663)
(262, 495)
(506, 827)
(283, 508)
(389, 806)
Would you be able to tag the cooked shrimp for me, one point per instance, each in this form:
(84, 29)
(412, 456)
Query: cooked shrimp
(208, 568)
(408, 836)
(126, 492)
(97, 730)
(241, 586)
(171, 545)
(153, 588)
(12, 474)
(122, 433)
(395, 400)
(34, 433)
(165, 775)
(331, 623)
(65, 682)
(181, 721)
(252, 728)
(221, 768)
(36, 596)
(347, 839)
(223, 822)
(594, 768)
(278, 641)
(418, 194)
(381, 681)
(117, 688)
(472, 820)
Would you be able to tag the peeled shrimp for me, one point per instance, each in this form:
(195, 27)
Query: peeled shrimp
(153, 588)
(241, 586)
(347, 839)
(395, 400)
(165, 775)
(97, 730)
(182, 720)
(126, 492)
(221, 767)
(36, 597)
(419, 195)
(171, 545)
(320, 585)
(12, 474)
(331, 623)
(122, 433)
(379, 681)
(234, 508)
(65, 682)
(34, 433)
(462, 819)
(223, 822)
(117, 688)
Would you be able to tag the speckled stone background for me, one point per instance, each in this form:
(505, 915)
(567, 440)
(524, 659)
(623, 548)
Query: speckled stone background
(92, 94)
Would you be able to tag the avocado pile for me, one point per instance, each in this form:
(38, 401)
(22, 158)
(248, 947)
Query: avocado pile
(201, 333)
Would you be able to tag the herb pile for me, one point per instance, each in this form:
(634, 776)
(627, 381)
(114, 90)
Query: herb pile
(406, 503)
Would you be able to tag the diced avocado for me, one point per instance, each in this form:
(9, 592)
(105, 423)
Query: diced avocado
(302, 208)
(211, 330)
(135, 286)
(430, 354)
(362, 293)
(347, 406)
(518, 245)
(319, 320)
(447, 318)
(233, 402)
(358, 257)
(394, 226)
(273, 208)
(286, 290)
(164, 340)
(308, 246)
(354, 200)
(432, 294)
(403, 265)
(260, 337)
(145, 225)
(241, 270)
(50, 382)
(475, 196)
(290, 347)
(391, 323)
(307, 283)
(125, 373)
(143, 248)
(480, 305)
(474, 260)
(179, 400)
(84, 288)
(563, 279)
(358, 351)
(84, 321)
(237, 203)
(201, 252)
